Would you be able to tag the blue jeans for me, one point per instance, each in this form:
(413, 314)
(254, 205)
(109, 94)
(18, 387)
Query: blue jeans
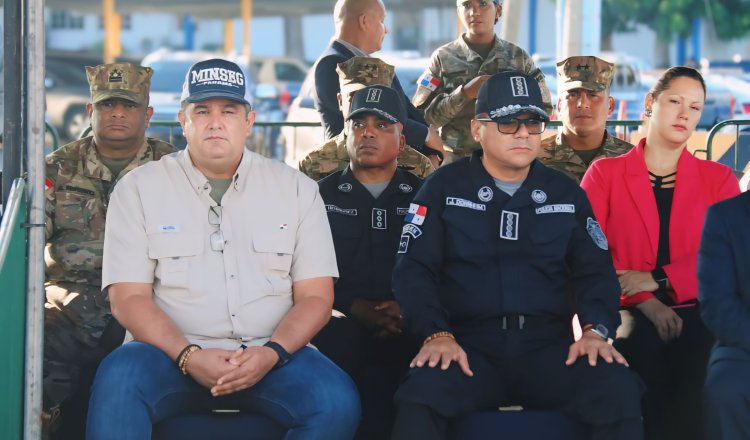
(137, 385)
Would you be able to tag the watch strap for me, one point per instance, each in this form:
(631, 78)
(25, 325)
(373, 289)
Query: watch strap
(284, 356)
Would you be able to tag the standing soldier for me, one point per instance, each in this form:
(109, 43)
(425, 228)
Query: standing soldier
(584, 104)
(80, 178)
(448, 89)
(355, 74)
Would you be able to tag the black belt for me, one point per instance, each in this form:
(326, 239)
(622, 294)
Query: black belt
(514, 322)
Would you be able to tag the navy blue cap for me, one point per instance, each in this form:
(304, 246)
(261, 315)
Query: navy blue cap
(215, 78)
(379, 100)
(508, 94)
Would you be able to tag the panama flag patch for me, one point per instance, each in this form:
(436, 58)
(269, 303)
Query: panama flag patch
(416, 214)
(428, 81)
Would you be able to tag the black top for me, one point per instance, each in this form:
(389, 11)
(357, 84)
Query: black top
(471, 253)
(365, 233)
(663, 193)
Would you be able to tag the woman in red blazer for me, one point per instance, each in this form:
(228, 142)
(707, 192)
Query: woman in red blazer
(651, 203)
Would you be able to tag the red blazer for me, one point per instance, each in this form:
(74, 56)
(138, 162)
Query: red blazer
(623, 200)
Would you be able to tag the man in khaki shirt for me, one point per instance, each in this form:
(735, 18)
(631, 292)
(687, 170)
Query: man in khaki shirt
(220, 265)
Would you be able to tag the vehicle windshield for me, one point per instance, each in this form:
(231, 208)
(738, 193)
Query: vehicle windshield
(169, 75)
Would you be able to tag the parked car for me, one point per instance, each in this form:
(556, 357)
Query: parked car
(67, 92)
(740, 90)
(299, 141)
(283, 73)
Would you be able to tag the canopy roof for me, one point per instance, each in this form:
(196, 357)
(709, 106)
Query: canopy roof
(231, 8)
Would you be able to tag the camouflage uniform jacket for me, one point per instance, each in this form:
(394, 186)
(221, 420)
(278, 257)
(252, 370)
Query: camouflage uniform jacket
(78, 186)
(557, 154)
(332, 156)
(454, 65)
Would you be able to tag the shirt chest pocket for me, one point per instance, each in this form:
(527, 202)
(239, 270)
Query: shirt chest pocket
(175, 254)
(549, 234)
(456, 78)
(468, 232)
(274, 250)
(75, 211)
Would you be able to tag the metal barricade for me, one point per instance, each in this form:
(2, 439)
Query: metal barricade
(739, 151)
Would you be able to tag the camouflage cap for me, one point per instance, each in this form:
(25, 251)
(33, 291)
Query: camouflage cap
(119, 80)
(584, 72)
(358, 72)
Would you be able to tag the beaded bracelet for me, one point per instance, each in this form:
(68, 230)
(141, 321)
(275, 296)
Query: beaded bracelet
(184, 355)
(436, 335)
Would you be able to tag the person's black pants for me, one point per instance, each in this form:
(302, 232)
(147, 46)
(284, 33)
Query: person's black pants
(673, 372)
(376, 366)
(520, 367)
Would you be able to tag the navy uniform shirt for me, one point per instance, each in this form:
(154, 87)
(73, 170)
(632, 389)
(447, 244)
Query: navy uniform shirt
(365, 233)
(469, 252)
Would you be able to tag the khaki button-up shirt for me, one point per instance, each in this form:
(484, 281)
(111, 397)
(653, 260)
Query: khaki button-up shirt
(275, 230)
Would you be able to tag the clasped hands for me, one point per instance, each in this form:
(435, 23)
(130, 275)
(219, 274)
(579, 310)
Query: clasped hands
(225, 371)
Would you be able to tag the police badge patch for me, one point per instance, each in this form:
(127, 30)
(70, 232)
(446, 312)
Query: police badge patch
(485, 194)
(405, 188)
(538, 196)
(596, 234)
(345, 187)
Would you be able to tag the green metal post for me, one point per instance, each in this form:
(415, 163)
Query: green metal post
(13, 312)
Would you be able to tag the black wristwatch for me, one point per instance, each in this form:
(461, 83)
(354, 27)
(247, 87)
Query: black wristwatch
(601, 330)
(660, 276)
(284, 356)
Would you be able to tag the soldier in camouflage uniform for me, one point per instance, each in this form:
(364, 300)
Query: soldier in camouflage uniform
(584, 104)
(80, 178)
(354, 74)
(447, 90)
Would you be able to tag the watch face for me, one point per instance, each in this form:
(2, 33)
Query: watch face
(602, 330)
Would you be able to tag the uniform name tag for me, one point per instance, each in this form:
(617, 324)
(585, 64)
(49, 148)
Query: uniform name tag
(509, 225)
(379, 218)
(337, 210)
(463, 203)
(75, 189)
(402, 211)
(554, 209)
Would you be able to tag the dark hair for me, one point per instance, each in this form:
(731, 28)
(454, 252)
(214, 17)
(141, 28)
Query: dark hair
(672, 73)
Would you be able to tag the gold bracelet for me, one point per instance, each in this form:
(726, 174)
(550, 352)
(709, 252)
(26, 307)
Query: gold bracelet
(184, 359)
(436, 335)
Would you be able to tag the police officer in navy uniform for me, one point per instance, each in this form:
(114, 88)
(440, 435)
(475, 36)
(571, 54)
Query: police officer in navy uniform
(366, 205)
(490, 246)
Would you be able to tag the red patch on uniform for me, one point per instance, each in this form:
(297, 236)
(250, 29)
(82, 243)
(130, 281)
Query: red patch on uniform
(48, 183)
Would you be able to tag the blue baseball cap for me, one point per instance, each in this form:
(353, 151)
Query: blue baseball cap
(215, 78)
(508, 94)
